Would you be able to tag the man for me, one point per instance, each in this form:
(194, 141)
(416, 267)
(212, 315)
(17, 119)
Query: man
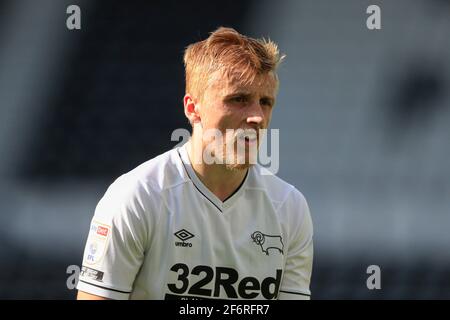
(203, 220)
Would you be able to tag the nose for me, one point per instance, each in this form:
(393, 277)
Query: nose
(255, 115)
(255, 119)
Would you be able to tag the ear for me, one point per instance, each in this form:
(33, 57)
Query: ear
(191, 109)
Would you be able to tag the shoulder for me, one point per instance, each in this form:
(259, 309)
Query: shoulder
(156, 174)
(278, 190)
(159, 173)
(289, 203)
(140, 188)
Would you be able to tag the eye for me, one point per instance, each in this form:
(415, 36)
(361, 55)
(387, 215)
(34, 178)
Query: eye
(266, 102)
(239, 99)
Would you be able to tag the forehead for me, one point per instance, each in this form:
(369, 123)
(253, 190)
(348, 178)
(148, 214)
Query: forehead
(262, 84)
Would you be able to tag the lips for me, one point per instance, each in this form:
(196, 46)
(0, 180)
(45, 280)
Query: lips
(248, 135)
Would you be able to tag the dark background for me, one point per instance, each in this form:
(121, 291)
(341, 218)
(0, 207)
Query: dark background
(363, 115)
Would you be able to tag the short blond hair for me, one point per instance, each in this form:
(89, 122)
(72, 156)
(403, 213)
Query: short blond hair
(232, 53)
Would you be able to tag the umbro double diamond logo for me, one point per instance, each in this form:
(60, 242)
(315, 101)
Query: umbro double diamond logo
(183, 235)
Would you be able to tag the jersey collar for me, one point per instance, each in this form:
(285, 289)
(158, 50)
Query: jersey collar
(198, 184)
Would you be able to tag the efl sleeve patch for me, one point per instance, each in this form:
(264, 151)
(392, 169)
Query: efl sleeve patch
(97, 242)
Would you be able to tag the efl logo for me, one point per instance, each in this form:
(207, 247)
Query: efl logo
(102, 231)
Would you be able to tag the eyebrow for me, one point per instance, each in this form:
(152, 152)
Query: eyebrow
(246, 94)
(238, 93)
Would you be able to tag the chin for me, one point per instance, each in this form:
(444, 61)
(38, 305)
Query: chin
(238, 167)
(245, 160)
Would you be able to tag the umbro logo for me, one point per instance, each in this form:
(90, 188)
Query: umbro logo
(183, 235)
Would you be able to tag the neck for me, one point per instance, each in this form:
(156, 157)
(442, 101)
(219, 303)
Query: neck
(220, 180)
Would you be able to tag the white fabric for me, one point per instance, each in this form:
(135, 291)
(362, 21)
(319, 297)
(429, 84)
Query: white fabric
(159, 233)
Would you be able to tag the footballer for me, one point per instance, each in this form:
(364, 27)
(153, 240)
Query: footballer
(205, 221)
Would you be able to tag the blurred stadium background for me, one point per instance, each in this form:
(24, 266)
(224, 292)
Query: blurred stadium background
(364, 119)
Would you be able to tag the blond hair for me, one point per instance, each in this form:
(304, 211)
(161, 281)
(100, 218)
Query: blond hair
(235, 55)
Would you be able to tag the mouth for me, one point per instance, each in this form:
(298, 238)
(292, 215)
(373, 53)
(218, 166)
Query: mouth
(249, 139)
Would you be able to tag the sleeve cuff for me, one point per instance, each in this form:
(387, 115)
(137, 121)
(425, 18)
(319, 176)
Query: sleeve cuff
(293, 295)
(102, 291)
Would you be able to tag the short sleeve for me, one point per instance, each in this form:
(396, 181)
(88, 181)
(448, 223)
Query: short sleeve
(299, 259)
(116, 243)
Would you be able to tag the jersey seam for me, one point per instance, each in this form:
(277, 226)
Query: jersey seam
(289, 236)
(193, 183)
(158, 223)
(102, 287)
(295, 292)
(153, 190)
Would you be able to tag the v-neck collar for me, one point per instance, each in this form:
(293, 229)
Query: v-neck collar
(198, 184)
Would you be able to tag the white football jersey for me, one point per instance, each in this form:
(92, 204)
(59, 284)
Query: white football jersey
(159, 233)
